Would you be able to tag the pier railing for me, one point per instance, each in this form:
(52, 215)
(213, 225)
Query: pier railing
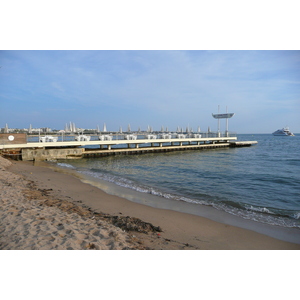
(125, 136)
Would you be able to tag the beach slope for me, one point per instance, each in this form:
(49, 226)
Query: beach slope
(45, 209)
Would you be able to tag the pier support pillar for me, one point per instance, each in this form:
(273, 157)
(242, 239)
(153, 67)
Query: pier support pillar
(50, 154)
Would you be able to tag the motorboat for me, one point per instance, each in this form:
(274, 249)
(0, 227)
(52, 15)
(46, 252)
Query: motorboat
(283, 132)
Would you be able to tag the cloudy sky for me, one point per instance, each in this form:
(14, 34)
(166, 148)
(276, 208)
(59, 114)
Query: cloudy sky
(156, 88)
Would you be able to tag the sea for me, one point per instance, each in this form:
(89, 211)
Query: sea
(260, 183)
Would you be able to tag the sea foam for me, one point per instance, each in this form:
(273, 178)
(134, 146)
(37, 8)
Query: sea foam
(64, 165)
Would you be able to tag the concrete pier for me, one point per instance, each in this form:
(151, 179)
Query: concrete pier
(242, 143)
(79, 149)
(157, 149)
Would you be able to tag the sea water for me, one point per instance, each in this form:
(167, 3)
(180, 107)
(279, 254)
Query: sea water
(259, 183)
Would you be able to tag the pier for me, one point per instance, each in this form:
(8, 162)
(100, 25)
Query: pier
(19, 146)
(74, 146)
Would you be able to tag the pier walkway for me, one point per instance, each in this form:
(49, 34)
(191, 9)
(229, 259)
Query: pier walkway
(109, 146)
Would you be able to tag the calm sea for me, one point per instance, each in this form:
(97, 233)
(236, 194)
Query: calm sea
(261, 182)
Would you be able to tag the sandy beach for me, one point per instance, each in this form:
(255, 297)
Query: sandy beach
(41, 208)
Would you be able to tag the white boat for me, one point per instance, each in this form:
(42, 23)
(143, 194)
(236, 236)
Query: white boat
(283, 132)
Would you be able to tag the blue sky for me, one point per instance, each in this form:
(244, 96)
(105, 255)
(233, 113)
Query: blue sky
(156, 88)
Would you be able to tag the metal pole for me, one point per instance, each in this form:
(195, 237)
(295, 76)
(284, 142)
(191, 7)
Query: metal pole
(226, 124)
(218, 121)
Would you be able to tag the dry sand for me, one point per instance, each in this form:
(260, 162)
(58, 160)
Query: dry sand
(44, 209)
(30, 220)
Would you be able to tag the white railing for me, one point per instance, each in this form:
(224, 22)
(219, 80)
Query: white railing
(135, 136)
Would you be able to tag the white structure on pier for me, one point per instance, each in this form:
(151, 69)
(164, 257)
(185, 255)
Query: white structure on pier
(48, 139)
(82, 137)
(130, 137)
(165, 136)
(222, 116)
(151, 137)
(105, 137)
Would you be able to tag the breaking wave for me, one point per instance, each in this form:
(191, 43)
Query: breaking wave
(64, 165)
(259, 214)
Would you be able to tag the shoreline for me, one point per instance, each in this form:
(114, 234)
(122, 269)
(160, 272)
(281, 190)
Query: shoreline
(179, 230)
(286, 234)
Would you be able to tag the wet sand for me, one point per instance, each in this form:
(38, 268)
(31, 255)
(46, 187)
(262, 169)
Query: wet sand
(45, 209)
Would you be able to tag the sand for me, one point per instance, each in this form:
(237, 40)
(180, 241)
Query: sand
(31, 220)
(41, 208)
